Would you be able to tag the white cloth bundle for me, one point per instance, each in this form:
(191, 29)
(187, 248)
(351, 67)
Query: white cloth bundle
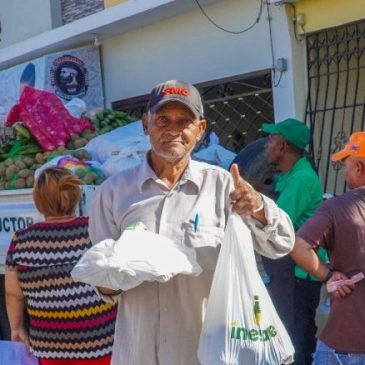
(137, 256)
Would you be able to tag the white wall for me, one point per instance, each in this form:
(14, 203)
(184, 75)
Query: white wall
(291, 93)
(186, 47)
(22, 19)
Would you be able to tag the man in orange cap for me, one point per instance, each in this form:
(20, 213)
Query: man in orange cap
(338, 226)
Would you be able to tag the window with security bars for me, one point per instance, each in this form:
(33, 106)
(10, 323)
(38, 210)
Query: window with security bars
(234, 108)
(336, 96)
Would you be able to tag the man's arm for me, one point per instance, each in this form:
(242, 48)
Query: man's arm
(305, 256)
(275, 239)
(108, 295)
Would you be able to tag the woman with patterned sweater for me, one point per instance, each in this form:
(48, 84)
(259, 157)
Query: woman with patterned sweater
(69, 323)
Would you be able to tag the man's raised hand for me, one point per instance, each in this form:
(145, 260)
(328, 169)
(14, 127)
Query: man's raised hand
(245, 199)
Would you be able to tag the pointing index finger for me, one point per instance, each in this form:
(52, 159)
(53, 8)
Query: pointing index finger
(237, 180)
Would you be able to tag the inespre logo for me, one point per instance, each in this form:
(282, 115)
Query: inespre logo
(253, 334)
(242, 333)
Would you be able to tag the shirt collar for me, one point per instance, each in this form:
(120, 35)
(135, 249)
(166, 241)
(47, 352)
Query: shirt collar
(281, 177)
(192, 174)
(298, 165)
(145, 173)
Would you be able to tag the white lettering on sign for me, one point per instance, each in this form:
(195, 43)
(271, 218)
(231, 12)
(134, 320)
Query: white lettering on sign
(18, 217)
(12, 224)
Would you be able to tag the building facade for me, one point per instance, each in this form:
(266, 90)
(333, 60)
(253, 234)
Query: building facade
(254, 60)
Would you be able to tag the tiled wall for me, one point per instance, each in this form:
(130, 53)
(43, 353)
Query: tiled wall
(77, 9)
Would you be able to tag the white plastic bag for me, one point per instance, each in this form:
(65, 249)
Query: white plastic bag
(115, 164)
(15, 353)
(241, 325)
(76, 107)
(137, 256)
(121, 141)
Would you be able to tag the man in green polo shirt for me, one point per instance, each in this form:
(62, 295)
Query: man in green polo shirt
(294, 292)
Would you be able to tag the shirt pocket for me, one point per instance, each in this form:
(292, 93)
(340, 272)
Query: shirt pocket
(206, 241)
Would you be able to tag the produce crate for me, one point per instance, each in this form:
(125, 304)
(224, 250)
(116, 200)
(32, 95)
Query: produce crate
(7, 133)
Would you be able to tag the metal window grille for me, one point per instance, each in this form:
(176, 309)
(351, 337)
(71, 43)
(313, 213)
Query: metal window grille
(336, 95)
(234, 108)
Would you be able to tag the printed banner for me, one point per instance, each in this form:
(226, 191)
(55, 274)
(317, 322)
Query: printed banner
(69, 74)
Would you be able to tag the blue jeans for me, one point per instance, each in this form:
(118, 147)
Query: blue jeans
(328, 356)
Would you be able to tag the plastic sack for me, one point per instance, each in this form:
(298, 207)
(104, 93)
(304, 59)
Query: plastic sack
(47, 118)
(216, 155)
(15, 353)
(241, 325)
(123, 141)
(76, 107)
(88, 171)
(137, 256)
(115, 164)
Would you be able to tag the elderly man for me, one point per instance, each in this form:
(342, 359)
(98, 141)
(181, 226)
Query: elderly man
(167, 192)
(338, 226)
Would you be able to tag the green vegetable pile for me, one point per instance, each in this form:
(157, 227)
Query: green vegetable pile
(21, 154)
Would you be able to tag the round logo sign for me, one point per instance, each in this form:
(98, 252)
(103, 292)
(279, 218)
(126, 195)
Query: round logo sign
(69, 77)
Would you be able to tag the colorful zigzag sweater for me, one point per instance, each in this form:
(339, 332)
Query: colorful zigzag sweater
(67, 319)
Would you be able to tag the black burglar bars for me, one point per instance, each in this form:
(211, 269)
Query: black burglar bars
(236, 107)
(336, 95)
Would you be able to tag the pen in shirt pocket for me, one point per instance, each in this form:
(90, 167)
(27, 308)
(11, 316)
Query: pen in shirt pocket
(196, 222)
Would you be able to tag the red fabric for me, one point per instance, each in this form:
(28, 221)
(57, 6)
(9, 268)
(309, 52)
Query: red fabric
(96, 322)
(102, 361)
(46, 117)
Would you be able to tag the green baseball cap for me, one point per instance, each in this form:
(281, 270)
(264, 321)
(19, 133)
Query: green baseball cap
(292, 130)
